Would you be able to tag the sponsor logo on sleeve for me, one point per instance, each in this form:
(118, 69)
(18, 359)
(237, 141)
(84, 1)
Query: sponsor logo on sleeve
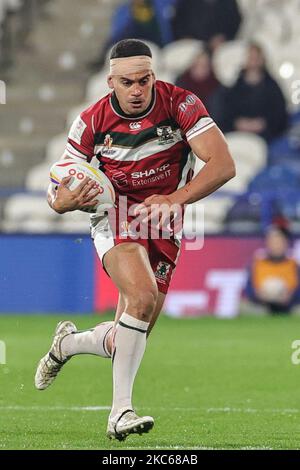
(77, 129)
(190, 106)
(190, 100)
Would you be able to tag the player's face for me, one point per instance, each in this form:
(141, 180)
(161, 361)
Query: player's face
(134, 91)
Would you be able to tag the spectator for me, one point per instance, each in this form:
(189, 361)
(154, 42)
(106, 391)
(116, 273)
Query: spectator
(141, 19)
(213, 21)
(200, 78)
(274, 274)
(255, 103)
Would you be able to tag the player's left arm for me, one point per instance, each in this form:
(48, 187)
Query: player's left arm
(210, 147)
(207, 143)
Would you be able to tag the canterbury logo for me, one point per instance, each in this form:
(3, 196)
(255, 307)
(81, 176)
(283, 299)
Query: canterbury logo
(134, 126)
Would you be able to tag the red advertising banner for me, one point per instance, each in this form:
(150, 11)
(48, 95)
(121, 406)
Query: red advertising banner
(207, 281)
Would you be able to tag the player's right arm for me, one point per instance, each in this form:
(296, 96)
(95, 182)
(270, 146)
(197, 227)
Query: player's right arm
(80, 147)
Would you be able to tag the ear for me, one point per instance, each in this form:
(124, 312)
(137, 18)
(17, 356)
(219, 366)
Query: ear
(110, 82)
(154, 77)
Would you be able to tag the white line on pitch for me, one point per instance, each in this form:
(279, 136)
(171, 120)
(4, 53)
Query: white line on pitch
(55, 408)
(252, 410)
(182, 409)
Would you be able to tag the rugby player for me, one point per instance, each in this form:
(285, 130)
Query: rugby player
(146, 135)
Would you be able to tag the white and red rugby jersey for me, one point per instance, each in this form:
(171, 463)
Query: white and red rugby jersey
(144, 154)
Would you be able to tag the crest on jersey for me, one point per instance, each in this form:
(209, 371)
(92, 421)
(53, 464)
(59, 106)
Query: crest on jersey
(107, 146)
(165, 135)
(108, 141)
(162, 270)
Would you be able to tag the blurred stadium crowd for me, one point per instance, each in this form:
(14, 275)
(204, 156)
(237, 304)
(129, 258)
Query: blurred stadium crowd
(241, 57)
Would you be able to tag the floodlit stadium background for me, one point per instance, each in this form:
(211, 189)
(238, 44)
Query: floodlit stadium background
(47, 261)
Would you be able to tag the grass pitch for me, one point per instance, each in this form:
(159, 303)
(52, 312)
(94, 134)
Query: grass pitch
(208, 383)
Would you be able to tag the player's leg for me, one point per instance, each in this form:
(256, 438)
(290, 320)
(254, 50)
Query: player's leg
(120, 309)
(132, 421)
(91, 341)
(158, 308)
(96, 340)
(129, 267)
(69, 342)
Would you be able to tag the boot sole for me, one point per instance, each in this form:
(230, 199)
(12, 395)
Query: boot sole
(140, 429)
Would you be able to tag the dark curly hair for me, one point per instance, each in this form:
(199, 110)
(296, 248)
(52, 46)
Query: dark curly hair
(129, 48)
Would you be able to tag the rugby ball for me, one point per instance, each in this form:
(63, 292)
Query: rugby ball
(274, 289)
(79, 171)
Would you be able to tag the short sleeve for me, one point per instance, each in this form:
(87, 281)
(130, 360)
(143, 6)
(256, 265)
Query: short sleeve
(81, 139)
(190, 113)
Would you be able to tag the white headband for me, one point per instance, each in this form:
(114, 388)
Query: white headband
(129, 65)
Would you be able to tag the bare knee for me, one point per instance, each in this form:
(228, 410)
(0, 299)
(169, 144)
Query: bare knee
(142, 303)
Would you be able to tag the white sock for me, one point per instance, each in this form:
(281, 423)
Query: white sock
(129, 348)
(91, 341)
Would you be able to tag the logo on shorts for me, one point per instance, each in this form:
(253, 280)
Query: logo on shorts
(162, 270)
(107, 146)
(189, 101)
(165, 134)
(135, 126)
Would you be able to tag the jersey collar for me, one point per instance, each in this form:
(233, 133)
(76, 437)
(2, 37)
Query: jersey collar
(114, 103)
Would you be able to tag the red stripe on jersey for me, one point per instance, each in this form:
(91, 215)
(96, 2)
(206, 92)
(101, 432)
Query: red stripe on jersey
(76, 155)
(65, 164)
(78, 148)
